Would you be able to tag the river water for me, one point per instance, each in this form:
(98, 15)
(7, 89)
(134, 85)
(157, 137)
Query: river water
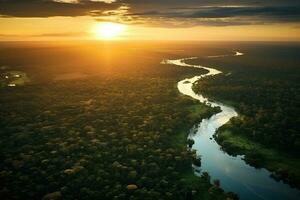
(234, 174)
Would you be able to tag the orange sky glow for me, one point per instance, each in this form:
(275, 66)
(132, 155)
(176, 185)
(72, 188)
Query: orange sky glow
(137, 21)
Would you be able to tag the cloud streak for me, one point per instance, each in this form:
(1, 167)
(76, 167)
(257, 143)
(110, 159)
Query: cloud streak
(225, 15)
(168, 13)
(50, 8)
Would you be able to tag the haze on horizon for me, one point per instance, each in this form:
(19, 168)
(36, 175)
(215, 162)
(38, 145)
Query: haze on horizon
(246, 20)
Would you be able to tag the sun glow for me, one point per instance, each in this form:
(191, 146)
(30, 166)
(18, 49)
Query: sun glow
(108, 30)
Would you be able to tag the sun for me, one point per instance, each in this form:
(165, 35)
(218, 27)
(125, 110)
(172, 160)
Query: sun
(108, 30)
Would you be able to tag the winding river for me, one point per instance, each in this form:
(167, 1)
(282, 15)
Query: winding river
(232, 171)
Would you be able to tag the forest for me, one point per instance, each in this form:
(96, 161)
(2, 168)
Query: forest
(267, 98)
(108, 136)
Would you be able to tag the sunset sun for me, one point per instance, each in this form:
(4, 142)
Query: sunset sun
(108, 30)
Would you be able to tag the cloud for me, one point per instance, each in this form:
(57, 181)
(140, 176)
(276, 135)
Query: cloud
(173, 13)
(50, 8)
(167, 13)
(223, 12)
(223, 15)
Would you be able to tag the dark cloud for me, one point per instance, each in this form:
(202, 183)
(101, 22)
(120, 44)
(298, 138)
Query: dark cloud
(224, 12)
(228, 15)
(214, 12)
(169, 13)
(50, 8)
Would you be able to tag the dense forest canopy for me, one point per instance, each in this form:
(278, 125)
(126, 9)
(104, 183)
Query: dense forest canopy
(107, 135)
(107, 121)
(266, 93)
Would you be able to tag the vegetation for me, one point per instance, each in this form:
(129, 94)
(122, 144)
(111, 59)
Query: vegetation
(281, 163)
(13, 78)
(109, 136)
(267, 130)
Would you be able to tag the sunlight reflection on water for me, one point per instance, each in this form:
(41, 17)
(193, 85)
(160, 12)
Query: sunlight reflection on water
(235, 175)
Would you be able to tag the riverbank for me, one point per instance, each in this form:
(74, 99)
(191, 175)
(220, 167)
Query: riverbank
(266, 130)
(284, 166)
(255, 183)
(195, 114)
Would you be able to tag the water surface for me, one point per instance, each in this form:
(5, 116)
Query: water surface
(234, 174)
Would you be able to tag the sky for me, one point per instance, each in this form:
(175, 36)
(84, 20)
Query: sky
(232, 20)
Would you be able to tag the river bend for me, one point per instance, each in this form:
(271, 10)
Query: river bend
(234, 174)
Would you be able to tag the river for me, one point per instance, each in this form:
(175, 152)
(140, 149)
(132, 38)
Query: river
(234, 173)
